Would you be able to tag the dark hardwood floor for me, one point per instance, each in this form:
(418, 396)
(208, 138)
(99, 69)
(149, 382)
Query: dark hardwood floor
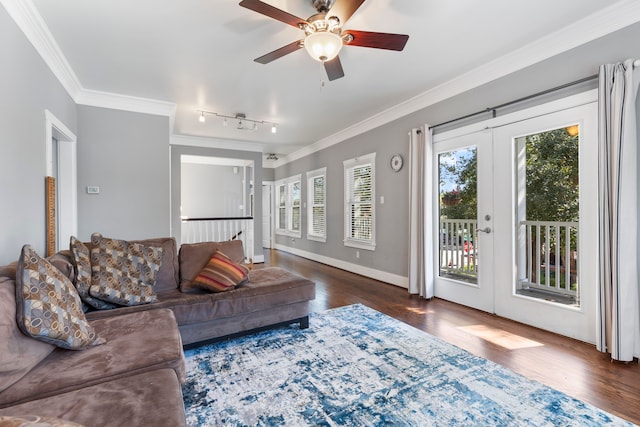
(571, 366)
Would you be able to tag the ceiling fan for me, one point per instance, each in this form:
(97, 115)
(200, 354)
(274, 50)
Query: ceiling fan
(324, 36)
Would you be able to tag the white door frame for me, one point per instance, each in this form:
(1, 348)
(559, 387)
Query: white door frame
(574, 322)
(67, 185)
(514, 305)
(478, 295)
(270, 205)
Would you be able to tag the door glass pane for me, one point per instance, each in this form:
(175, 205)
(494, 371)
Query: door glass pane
(548, 188)
(458, 194)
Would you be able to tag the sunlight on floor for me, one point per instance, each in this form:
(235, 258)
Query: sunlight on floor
(417, 310)
(499, 337)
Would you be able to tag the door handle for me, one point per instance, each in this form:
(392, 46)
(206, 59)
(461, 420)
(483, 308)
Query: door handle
(484, 230)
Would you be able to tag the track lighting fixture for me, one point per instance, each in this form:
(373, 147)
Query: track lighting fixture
(243, 123)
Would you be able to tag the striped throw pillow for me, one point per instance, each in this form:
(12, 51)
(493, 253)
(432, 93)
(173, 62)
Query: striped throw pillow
(220, 274)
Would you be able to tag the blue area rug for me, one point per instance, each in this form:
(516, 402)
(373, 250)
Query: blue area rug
(355, 366)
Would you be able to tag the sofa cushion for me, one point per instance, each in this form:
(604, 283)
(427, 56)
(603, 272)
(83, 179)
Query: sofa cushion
(136, 343)
(9, 270)
(168, 276)
(220, 274)
(146, 399)
(18, 352)
(35, 421)
(123, 272)
(63, 261)
(82, 259)
(194, 256)
(48, 307)
(265, 288)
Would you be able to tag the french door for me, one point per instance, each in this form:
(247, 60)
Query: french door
(516, 218)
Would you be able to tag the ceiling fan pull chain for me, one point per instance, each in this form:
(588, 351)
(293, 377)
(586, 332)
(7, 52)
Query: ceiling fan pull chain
(322, 81)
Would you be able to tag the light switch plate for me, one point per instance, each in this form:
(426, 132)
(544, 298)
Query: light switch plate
(93, 190)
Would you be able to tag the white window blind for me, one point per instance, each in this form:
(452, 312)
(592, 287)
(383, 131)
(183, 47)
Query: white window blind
(316, 211)
(295, 207)
(360, 202)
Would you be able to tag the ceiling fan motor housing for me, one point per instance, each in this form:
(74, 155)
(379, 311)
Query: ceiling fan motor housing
(322, 6)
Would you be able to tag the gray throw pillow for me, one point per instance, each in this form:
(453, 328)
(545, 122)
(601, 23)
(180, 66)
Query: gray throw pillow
(123, 272)
(82, 259)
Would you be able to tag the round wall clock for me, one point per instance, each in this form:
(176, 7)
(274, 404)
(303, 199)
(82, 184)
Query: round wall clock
(396, 162)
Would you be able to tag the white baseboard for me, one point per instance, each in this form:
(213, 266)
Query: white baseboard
(383, 276)
(258, 259)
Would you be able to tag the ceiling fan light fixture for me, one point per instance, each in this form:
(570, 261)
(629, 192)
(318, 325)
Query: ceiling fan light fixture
(323, 45)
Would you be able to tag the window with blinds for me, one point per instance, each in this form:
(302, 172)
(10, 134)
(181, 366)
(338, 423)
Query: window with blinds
(359, 177)
(289, 197)
(295, 207)
(316, 210)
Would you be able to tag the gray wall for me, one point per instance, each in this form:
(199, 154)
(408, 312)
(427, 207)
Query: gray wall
(391, 254)
(268, 174)
(176, 191)
(27, 88)
(211, 190)
(127, 155)
(391, 217)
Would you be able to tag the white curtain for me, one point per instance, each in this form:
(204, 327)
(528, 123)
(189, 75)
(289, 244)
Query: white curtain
(420, 213)
(618, 296)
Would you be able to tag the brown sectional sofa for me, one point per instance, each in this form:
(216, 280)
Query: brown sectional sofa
(135, 378)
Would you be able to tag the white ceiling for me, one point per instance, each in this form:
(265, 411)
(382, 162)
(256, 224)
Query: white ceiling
(198, 54)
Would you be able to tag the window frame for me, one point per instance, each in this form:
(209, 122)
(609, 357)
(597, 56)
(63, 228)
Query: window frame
(287, 185)
(311, 197)
(349, 166)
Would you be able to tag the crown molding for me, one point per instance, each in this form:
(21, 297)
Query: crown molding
(117, 101)
(612, 18)
(27, 18)
(225, 144)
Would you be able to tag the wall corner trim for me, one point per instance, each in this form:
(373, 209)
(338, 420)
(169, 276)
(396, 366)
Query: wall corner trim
(28, 19)
(134, 104)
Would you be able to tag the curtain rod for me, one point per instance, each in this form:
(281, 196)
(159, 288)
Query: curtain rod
(526, 98)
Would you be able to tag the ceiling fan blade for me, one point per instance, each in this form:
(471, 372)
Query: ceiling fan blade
(343, 9)
(377, 40)
(334, 69)
(273, 12)
(279, 53)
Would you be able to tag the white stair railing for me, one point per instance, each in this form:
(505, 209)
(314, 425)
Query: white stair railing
(197, 230)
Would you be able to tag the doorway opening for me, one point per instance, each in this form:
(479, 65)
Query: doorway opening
(61, 163)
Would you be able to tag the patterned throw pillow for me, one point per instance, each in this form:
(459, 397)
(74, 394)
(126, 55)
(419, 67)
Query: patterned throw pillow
(83, 275)
(48, 307)
(220, 274)
(123, 272)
